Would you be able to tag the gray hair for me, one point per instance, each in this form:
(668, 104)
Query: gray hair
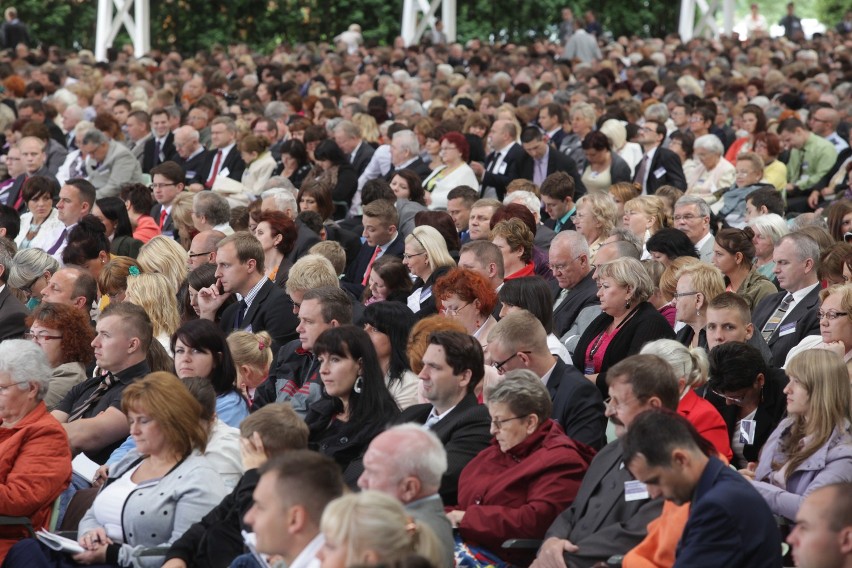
(189, 132)
(771, 225)
(7, 250)
(212, 206)
(30, 264)
(585, 110)
(279, 182)
(229, 123)
(95, 136)
(26, 363)
(573, 240)
(348, 128)
(711, 143)
(624, 235)
(83, 126)
(282, 198)
(690, 364)
(686, 200)
(657, 112)
(422, 455)
(412, 107)
(526, 198)
(523, 392)
(275, 110)
(409, 142)
(805, 246)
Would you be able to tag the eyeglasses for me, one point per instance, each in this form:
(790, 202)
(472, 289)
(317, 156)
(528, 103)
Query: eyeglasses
(677, 295)
(454, 311)
(406, 256)
(611, 403)
(498, 424)
(445, 148)
(554, 268)
(732, 399)
(194, 254)
(687, 217)
(4, 388)
(28, 289)
(830, 315)
(39, 337)
(499, 365)
(160, 185)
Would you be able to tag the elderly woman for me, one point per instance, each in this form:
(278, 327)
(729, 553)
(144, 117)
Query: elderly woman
(697, 285)
(469, 298)
(40, 225)
(30, 273)
(515, 241)
(644, 216)
(277, 234)
(714, 172)
(835, 324)
(733, 254)
(626, 323)
(64, 334)
(812, 447)
(768, 230)
(595, 219)
(532, 471)
(691, 367)
(427, 259)
(36, 464)
(455, 153)
(603, 167)
(178, 486)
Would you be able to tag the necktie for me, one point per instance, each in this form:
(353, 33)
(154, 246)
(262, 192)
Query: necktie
(370, 266)
(59, 241)
(432, 420)
(158, 147)
(496, 161)
(241, 312)
(163, 216)
(106, 382)
(560, 298)
(540, 171)
(641, 170)
(215, 171)
(772, 323)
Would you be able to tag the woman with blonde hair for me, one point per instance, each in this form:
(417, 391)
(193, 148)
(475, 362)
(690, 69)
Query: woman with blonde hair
(812, 447)
(112, 280)
(155, 295)
(697, 284)
(369, 127)
(595, 219)
(182, 218)
(427, 258)
(644, 216)
(835, 324)
(371, 528)
(252, 355)
(162, 255)
(515, 241)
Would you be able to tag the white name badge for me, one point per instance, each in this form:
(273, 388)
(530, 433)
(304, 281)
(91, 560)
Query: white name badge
(635, 491)
(787, 329)
(747, 430)
(659, 172)
(501, 169)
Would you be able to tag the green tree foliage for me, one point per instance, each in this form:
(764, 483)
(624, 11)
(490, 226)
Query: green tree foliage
(59, 22)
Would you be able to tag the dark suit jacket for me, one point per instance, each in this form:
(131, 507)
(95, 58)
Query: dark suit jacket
(304, 241)
(600, 521)
(350, 241)
(498, 180)
(271, 311)
(665, 169)
(729, 524)
(647, 324)
(802, 318)
(149, 157)
(418, 166)
(192, 165)
(556, 162)
(465, 432)
(558, 137)
(355, 271)
(363, 155)
(12, 316)
(577, 405)
(169, 225)
(233, 162)
(585, 293)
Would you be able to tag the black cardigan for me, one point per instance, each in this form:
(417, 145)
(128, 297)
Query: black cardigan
(647, 324)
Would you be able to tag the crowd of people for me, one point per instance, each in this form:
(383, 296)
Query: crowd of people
(559, 305)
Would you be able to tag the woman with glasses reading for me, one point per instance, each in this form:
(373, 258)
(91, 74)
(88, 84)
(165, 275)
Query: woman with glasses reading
(835, 324)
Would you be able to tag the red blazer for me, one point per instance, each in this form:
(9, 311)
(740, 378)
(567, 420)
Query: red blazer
(35, 467)
(707, 421)
(146, 228)
(518, 494)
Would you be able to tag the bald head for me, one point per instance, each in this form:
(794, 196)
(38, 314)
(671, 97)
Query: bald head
(203, 248)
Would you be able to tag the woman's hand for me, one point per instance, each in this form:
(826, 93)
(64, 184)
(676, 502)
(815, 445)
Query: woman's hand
(455, 518)
(93, 539)
(100, 475)
(94, 556)
(748, 472)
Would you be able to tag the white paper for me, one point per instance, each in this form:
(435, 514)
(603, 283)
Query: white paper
(84, 467)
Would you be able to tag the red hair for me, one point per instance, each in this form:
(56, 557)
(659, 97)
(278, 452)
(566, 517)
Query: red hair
(458, 140)
(468, 286)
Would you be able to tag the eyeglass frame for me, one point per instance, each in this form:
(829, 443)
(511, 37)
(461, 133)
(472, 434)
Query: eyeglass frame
(454, 311)
(152, 186)
(678, 295)
(27, 290)
(498, 424)
(554, 268)
(830, 316)
(4, 388)
(194, 254)
(499, 365)
(734, 399)
(38, 338)
(406, 256)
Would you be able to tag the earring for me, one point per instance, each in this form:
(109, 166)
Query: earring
(698, 313)
(359, 385)
(627, 305)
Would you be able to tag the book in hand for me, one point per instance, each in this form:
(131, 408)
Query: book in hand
(59, 543)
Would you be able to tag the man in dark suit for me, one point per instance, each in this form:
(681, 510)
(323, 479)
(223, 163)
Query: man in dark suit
(167, 182)
(519, 341)
(224, 157)
(405, 155)
(729, 523)
(381, 238)
(453, 365)
(262, 305)
(540, 160)
(659, 166)
(557, 196)
(501, 165)
(785, 318)
(550, 119)
(574, 287)
(604, 521)
(33, 158)
(12, 311)
(190, 153)
(347, 135)
(161, 146)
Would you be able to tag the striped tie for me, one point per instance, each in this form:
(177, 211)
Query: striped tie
(772, 323)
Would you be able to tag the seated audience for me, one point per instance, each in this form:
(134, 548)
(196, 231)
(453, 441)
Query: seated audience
(533, 294)
(733, 254)
(467, 296)
(427, 259)
(30, 273)
(835, 324)
(697, 285)
(252, 355)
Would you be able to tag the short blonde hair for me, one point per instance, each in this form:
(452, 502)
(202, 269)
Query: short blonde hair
(311, 271)
(630, 273)
(689, 363)
(652, 206)
(706, 279)
(334, 252)
(517, 236)
(163, 255)
(603, 209)
(430, 241)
